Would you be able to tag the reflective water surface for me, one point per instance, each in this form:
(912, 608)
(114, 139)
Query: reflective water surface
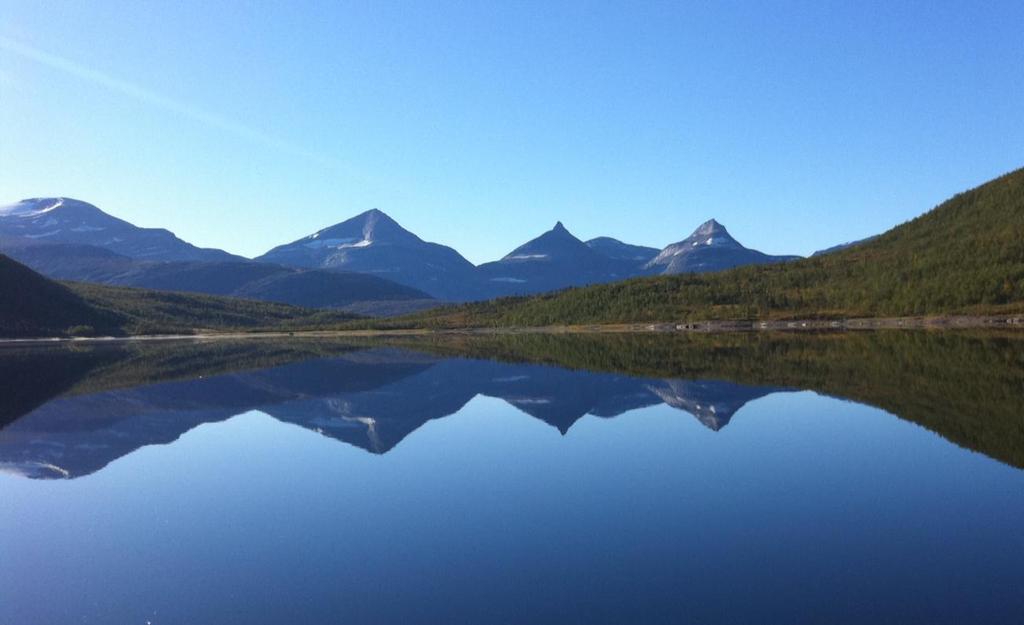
(871, 477)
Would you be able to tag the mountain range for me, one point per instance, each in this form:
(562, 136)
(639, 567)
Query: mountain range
(367, 263)
(963, 257)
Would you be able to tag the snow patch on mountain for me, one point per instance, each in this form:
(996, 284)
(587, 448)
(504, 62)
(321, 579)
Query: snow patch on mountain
(32, 207)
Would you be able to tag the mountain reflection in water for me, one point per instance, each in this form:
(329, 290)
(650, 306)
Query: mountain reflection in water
(111, 401)
(371, 399)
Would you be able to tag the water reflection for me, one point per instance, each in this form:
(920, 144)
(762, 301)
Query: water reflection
(70, 412)
(371, 398)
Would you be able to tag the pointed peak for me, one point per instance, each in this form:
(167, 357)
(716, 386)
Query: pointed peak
(710, 226)
(370, 219)
(374, 214)
(369, 226)
(557, 242)
(559, 231)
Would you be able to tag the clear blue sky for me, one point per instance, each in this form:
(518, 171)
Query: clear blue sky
(246, 125)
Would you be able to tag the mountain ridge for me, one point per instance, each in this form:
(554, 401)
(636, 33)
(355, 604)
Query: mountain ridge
(965, 256)
(42, 307)
(68, 220)
(370, 243)
(618, 250)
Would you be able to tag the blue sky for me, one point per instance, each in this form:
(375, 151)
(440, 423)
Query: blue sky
(245, 125)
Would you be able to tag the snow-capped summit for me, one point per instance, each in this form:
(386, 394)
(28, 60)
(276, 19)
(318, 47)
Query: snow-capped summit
(709, 227)
(709, 248)
(361, 231)
(32, 207)
(66, 220)
(372, 242)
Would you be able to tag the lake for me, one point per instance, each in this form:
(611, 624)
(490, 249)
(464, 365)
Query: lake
(735, 478)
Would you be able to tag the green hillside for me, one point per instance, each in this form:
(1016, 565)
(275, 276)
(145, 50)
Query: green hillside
(32, 305)
(964, 256)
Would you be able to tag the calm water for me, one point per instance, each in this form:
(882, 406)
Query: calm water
(731, 480)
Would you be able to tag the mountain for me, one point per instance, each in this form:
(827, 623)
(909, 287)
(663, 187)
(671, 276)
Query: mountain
(65, 220)
(965, 256)
(617, 250)
(709, 248)
(33, 305)
(314, 288)
(374, 243)
(554, 260)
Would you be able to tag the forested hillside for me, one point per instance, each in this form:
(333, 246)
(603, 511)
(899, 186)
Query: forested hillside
(964, 256)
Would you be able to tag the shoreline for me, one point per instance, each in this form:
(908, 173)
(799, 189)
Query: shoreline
(958, 322)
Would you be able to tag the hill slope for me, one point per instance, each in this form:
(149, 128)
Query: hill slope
(964, 256)
(32, 305)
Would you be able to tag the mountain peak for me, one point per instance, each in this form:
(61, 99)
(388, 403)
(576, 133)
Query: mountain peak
(709, 248)
(374, 213)
(365, 228)
(375, 221)
(374, 243)
(555, 243)
(709, 227)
